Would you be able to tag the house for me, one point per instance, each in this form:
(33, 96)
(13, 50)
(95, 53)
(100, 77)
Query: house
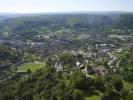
(77, 63)
(59, 67)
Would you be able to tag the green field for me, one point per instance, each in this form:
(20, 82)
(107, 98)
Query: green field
(93, 98)
(128, 85)
(32, 66)
(96, 96)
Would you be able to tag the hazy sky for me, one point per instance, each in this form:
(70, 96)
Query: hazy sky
(33, 6)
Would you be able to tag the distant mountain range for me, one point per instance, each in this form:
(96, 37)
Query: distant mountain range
(66, 12)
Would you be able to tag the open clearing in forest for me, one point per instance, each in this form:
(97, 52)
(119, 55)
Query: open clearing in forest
(33, 66)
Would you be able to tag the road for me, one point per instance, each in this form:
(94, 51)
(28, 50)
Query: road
(113, 59)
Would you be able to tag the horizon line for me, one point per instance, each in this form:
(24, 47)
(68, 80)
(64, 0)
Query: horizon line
(41, 12)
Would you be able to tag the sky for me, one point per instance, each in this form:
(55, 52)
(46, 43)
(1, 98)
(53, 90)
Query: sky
(38, 6)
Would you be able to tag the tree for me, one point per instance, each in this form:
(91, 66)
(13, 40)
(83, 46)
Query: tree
(110, 93)
(79, 81)
(77, 94)
(99, 83)
(124, 94)
(67, 59)
(29, 71)
(117, 83)
(27, 96)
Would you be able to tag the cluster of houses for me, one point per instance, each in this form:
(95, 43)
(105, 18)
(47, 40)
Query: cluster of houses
(88, 70)
(86, 67)
(122, 37)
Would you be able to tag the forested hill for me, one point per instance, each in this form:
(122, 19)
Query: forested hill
(31, 25)
(125, 21)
